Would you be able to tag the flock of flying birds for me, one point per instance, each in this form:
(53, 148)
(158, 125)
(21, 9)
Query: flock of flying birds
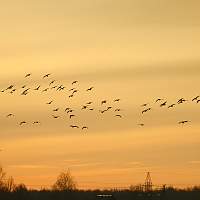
(163, 103)
(25, 90)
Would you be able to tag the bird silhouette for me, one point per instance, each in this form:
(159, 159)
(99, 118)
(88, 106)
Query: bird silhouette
(36, 122)
(12, 91)
(74, 126)
(23, 86)
(89, 89)
(145, 104)
(21, 123)
(102, 111)
(146, 110)
(52, 82)
(88, 103)
(172, 105)
(103, 102)
(75, 91)
(117, 100)
(55, 116)
(72, 89)
(163, 104)
(141, 124)
(91, 109)
(118, 116)
(37, 88)
(70, 96)
(49, 102)
(46, 75)
(196, 98)
(74, 82)
(108, 108)
(183, 122)
(117, 110)
(71, 116)
(159, 99)
(45, 90)
(181, 100)
(84, 107)
(56, 109)
(10, 87)
(54, 87)
(27, 75)
(10, 115)
(84, 127)
(66, 109)
(70, 111)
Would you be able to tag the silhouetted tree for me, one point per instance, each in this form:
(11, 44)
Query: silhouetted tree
(65, 182)
(2, 179)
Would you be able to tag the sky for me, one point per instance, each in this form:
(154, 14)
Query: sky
(135, 50)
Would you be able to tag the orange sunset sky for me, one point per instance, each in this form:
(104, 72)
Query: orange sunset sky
(135, 50)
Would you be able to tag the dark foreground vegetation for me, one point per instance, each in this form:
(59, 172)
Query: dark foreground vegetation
(170, 194)
(65, 188)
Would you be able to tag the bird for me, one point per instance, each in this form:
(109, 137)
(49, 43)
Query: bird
(145, 104)
(51, 82)
(89, 89)
(83, 107)
(37, 88)
(117, 110)
(141, 124)
(118, 116)
(10, 87)
(74, 82)
(102, 111)
(46, 75)
(45, 90)
(172, 105)
(70, 111)
(74, 91)
(163, 104)
(183, 122)
(21, 123)
(117, 100)
(23, 86)
(25, 92)
(49, 102)
(88, 103)
(70, 96)
(102, 102)
(66, 109)
(56, 109)
(36, 122)
(146, 110)
(196, 98)
(12, 91)
(91, 109)
(84, 127)
(159, 99)
(181, 100)
(108, 108)
(71, 116)
(74, 126)
(54, 87)
(10, 115)
(61, 87)
(55, 116)
(27, 75)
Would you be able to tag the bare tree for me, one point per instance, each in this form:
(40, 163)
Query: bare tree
(2, 179)
(65, 182)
